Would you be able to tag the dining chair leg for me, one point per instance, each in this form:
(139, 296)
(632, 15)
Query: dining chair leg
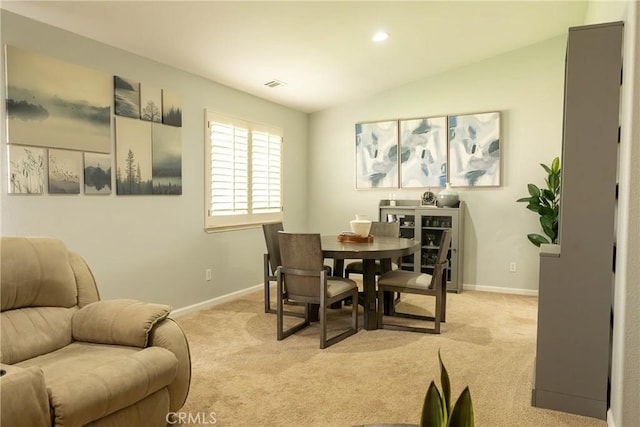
(279, 311)
(444, 297)
(354, 312)
(380, 308)
(267, 288)
(438, 313)
(323, 324)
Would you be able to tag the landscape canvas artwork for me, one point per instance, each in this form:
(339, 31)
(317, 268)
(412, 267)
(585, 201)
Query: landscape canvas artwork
(171, 108)
(126, 94)
(166, 159)
(133, 156)
(150, 103)
(26, 170)
(97, 173)
(474, 150)
(52, 103)
(65, 168)
(377, 155)
(423, 152)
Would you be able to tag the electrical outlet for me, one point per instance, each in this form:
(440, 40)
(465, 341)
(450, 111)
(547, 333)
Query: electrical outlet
(512, 267)
(207, 274)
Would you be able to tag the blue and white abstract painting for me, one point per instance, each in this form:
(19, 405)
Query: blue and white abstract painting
(377, 155)
(423, 152)
(474, 150)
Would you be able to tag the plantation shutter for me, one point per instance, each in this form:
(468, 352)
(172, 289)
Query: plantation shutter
(229, 170)
(265, 182)
(244, 179)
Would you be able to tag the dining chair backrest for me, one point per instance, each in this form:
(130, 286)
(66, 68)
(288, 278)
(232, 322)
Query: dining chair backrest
(445, 242)
(301, 251)
(385, 229)
(273, 244)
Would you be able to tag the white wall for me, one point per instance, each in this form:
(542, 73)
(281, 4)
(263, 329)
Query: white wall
(154, 247)
(527, 87)
(625, 371)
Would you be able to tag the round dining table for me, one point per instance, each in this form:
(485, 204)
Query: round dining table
(381, 248)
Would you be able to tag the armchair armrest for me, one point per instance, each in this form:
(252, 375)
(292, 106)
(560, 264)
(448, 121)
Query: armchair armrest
(169, 335)
(119, 322)
(23, 397)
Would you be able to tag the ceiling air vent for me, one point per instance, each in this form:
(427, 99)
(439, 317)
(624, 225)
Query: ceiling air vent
(275, 83)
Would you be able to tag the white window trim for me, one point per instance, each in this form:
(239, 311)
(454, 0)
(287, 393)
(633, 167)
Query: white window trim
(237, 221)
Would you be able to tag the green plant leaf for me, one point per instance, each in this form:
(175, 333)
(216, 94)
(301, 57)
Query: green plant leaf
(546, 222)
(432, 415)
(533, 190)
(537, 239)
(546, 203)
(545, 211)
(446, 387)
(548, 195)
(462, 414)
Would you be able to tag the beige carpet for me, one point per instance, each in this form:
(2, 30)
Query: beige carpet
(248, 378)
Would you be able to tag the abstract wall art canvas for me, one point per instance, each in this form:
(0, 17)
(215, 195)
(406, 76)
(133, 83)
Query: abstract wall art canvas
(133, 156)
(65, 168)
(52, 103)
(166, 159)
(26, 170)
(474, 150)
(97, 173)
(150, 103)
(377, 155)
(126, 95)
(423, 152)
(171, 108)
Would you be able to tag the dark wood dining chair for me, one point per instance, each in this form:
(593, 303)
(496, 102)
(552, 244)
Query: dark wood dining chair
(381, 229)
(410, 282)
(308, 282)
(271, 260)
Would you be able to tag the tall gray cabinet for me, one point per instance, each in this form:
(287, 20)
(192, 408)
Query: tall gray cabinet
(573, 352)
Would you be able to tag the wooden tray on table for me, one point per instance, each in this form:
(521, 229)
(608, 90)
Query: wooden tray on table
(348, 237)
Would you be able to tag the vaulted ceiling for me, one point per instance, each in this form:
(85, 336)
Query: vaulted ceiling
(321, 50)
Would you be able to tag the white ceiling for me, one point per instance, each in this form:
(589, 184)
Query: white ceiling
(322, 50)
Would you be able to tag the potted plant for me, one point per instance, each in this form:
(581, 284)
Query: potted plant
(439, 411)
(546, 203)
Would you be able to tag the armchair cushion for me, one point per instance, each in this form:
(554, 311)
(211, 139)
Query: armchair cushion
(36, 273)
(120, 322)
(86, 382)
(29, 332)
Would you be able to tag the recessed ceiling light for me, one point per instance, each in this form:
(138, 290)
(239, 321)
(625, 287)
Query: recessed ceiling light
(380, 36)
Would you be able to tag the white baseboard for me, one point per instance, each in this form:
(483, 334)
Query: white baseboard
(500, 290)
(214, 301)
(610, 422)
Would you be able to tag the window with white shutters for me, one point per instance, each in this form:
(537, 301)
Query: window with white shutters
(244, 165)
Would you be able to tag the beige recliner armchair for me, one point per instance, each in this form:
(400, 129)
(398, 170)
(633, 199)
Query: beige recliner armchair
(70, 359)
